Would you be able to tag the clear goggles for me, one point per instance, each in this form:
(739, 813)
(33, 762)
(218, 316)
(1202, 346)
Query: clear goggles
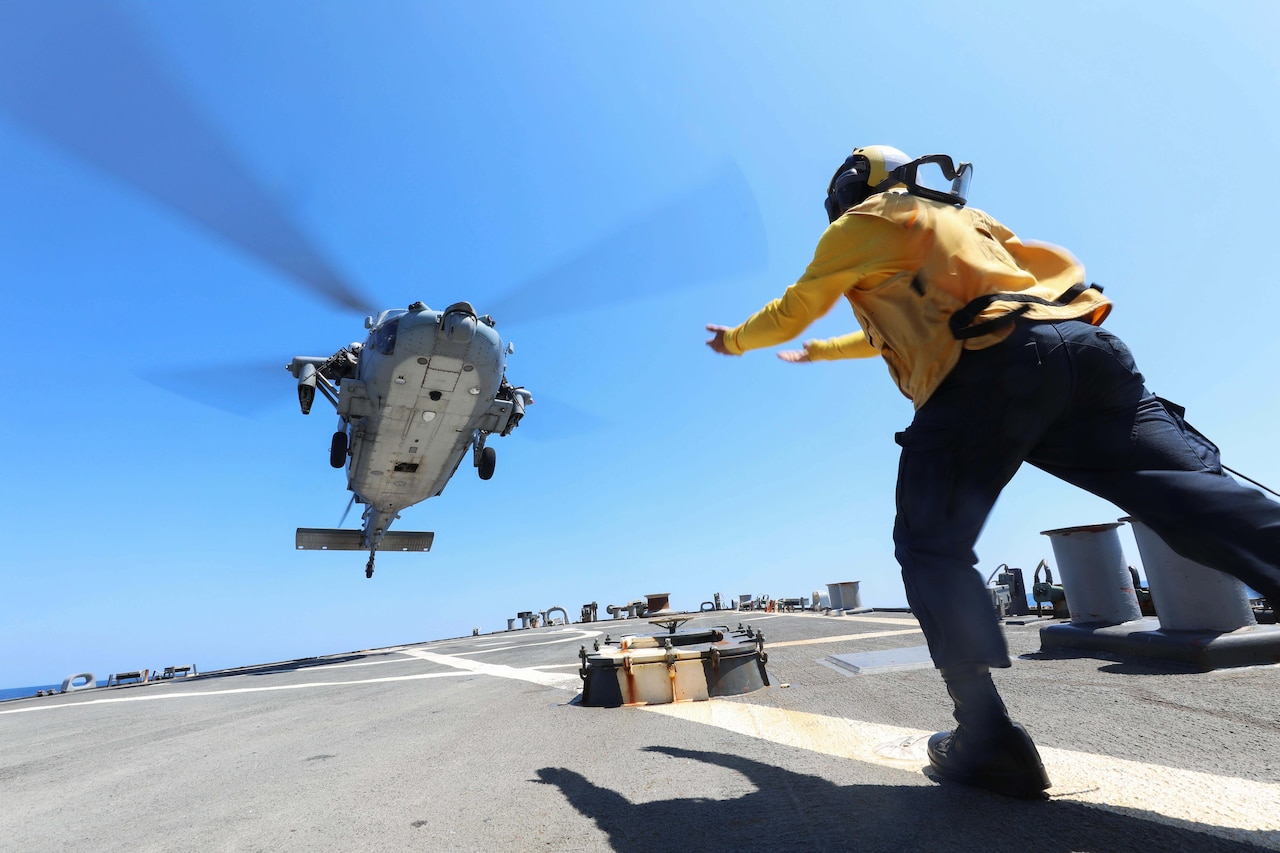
(935, 176)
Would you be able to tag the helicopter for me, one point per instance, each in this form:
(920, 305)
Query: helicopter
(422, 390)
(427, 386)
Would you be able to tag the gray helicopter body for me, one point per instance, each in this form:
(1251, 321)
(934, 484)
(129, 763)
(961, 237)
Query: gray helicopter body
(427, 386)
(424, 388)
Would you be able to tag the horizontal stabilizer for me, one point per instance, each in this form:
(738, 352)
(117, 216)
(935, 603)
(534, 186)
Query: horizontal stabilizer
(326, 539)
(407, 540)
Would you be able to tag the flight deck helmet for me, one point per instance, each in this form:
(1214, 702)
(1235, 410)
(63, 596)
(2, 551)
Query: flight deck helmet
(860, 176)
(877, 168)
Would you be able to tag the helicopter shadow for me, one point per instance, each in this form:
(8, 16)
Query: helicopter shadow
(791, 811)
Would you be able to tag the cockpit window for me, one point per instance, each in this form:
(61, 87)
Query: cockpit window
(384, 336)
(389, 314)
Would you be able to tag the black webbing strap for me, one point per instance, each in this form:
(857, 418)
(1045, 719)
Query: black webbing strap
(961, 321)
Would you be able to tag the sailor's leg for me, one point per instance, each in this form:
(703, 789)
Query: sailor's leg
(940, 514)
(986, 749)
(1125, 446)
(962, 448)
(964, 445)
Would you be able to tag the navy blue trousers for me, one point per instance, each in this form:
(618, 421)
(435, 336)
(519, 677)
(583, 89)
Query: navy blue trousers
(1068, 398)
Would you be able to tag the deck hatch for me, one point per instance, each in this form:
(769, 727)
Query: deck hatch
(673, 666)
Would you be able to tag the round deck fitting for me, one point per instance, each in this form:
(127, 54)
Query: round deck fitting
(675, 666)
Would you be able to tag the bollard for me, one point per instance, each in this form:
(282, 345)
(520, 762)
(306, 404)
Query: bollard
(511, 624)
(658, 602)
(1190, 596)
(79, 681)
(1094, 574)
(850, 596)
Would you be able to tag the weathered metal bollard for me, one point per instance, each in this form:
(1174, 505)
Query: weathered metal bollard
(1190, 596)
(658, 602)
(1094, 574)
(850, 595)
(79, 681)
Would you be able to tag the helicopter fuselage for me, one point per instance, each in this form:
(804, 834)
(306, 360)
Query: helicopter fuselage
(424, 388)
(426, 396)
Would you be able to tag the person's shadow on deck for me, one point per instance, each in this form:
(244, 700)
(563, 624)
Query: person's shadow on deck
(797, 812)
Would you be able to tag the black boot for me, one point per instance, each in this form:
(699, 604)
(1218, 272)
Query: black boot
(987, 749)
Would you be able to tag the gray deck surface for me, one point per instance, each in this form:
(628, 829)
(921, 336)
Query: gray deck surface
(478, 744)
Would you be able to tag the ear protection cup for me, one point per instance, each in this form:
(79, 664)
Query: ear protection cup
(852, 182)
(848, 187)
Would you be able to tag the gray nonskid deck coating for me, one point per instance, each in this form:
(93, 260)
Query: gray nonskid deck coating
(401, 749)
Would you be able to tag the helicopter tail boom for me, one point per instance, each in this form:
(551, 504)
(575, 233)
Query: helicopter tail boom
(329, 539)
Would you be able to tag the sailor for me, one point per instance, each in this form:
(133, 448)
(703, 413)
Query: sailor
(998, 345)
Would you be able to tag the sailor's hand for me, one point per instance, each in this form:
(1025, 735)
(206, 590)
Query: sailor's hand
(716, 341)
(796, 356)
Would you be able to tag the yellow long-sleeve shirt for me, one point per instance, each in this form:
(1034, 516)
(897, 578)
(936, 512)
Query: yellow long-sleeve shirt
(906, 265)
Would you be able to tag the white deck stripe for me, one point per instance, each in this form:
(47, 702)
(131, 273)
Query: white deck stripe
(575, 636)
(155, 697)
(345, 665)
(1239, 809)
(549, 679)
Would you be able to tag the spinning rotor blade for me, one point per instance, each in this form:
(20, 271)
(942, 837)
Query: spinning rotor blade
(80, 76)
(244, 389)
(712, 232)
(552, 419)
(347, 511)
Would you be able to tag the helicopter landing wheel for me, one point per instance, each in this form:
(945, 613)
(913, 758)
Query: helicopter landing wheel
(488, 459)
(368, 569)
(338, 449)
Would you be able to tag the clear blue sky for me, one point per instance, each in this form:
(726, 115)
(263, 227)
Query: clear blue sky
(447, 151)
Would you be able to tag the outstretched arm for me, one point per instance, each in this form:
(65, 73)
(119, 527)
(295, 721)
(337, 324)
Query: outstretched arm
(852, 345)
(716, 341)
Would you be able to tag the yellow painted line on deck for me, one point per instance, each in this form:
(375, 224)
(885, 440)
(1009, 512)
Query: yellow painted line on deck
(841, 639)
(1239, 809)
(905, 619)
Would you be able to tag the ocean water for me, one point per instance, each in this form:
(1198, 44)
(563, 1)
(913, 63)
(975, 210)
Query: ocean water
(24, 692)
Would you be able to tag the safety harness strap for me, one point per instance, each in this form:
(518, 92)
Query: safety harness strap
(961, 321)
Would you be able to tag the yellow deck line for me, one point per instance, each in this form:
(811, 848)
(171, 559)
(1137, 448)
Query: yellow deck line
(1239, 809)
(841, 639)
